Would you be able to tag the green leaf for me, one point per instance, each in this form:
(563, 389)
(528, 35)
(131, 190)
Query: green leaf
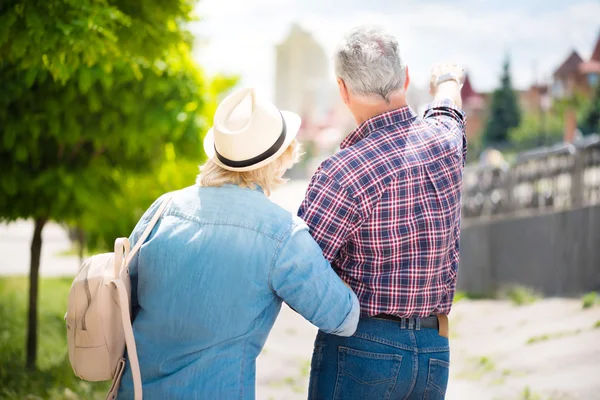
(21, 154)
(6, 22)
(85, 80)
(30, 77)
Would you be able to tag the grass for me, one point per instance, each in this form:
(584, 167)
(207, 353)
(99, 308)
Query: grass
(479, 367)
(521, 295)
(528, 394)
(54, 378)
(73, 252)
(543, 338)
(597, 324)
(296, 384)
(461, 295)
(305, 369)
(590, 299)
(486, 364)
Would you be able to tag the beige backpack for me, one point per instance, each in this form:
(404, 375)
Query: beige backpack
(99, 315)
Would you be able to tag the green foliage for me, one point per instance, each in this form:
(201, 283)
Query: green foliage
(590, 120)
(54, 379)
(520, 295)
(556, 335)
(124, 86)
(590, 299)
(459, 295)
(528, 394)
(58, 37)
(504, 111)
(102, 225)
(535, 130)
(91, 92)
(477, 368)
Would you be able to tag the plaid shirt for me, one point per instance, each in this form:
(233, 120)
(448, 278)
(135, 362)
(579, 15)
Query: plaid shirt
(386, 210)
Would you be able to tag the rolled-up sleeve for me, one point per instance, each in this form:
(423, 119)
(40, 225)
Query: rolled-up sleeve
(304, 279)
(446, 115)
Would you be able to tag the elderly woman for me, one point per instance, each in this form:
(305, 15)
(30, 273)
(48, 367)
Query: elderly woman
(209, 281)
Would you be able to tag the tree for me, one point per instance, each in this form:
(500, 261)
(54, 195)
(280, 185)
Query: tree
(137, 191)
(533, 128)
(504, 110)
(590, 121)
(90, 89)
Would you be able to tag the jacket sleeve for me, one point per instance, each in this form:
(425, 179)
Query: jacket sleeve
(304, 279)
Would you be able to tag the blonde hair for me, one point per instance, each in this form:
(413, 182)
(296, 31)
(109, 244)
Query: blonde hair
(268, 178)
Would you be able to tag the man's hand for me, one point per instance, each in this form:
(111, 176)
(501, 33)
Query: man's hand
(453, 77)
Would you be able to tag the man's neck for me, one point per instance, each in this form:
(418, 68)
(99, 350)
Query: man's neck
(369, 109)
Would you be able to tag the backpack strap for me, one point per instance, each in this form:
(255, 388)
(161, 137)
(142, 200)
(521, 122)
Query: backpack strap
(148, 230)
(129, 339)
(125, 309)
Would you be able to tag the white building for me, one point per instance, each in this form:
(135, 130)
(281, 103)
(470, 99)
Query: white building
(303, 81)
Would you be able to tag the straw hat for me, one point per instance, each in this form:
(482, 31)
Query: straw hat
(249, 132)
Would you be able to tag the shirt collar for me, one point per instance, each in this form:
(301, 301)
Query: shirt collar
(378, 122)
(256, 187)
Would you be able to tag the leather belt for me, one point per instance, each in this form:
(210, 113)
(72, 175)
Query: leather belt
(438, 322)
(427, 322)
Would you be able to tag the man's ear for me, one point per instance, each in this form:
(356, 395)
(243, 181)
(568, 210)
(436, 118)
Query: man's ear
(407, 80)
(343, 91)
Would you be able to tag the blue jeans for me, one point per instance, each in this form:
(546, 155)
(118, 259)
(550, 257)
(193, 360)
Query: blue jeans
(382, 360)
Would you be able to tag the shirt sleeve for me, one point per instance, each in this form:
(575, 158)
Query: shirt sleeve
(444, 113)
(302, 278)
(329, 212)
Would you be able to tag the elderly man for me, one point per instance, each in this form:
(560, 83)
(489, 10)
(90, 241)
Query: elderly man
(386, 212)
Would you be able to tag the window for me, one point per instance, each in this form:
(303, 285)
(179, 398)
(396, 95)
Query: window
(558, 88)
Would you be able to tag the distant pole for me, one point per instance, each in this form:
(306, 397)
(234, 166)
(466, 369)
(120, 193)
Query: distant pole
(542, 134)
(544, 128)
(546, 103)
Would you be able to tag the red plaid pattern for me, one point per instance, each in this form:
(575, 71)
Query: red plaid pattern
(386, 210)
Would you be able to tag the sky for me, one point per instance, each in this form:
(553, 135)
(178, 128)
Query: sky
(239, 36)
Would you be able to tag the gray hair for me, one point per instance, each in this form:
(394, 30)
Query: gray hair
(368, 61)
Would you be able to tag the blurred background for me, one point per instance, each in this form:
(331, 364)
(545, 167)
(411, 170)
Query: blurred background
(104, 104)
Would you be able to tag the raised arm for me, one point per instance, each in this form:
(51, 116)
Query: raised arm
(446, 82)
(445, 111)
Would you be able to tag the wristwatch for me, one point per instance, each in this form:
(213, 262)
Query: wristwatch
(448, 77)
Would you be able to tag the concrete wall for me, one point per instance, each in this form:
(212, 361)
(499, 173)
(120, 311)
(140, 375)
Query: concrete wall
(557, 253)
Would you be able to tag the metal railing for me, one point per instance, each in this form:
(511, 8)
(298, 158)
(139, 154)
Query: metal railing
(561, 177)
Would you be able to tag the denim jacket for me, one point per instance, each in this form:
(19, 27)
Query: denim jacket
(208, 284)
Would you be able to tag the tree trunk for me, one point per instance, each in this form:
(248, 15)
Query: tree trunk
(81, 243)
(34, 268)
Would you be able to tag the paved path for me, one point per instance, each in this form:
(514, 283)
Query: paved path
(15, 241)
(491, 358)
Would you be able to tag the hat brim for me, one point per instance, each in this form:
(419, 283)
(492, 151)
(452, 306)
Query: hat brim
(292, 126)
